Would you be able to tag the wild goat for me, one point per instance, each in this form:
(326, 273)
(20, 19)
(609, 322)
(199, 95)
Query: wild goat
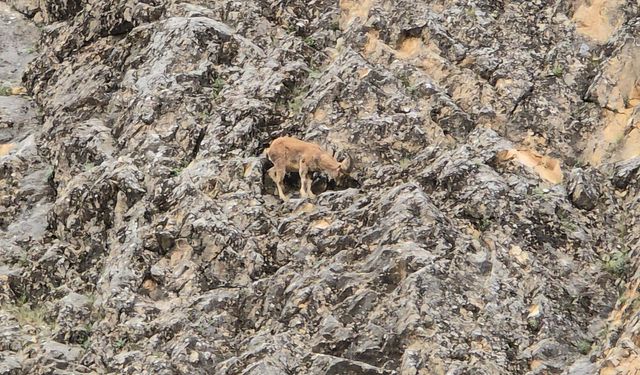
(289, 154)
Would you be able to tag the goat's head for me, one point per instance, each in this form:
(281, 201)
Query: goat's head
(337, 169)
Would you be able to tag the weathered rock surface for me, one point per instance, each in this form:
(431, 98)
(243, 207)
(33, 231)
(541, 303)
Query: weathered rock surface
(489, 227)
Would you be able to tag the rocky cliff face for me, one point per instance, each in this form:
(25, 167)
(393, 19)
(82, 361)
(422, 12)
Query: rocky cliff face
(489, 226)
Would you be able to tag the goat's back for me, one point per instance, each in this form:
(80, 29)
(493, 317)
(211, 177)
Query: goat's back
(290, 144)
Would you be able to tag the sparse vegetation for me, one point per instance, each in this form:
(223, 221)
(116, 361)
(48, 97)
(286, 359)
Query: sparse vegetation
(204, 116)
(625, 100)
(558, 70)
(405, 81)
(315, 74)
(23, 261)
(484, 224)
(27, 314)
(49, 174)
(622, 300)
(533, 324)
(120, 343)
(538, 192)
(86, 344)
(5, 91)
(583, 346)
(217, 86)
(310, 41)
(616, 264)
(566, 223)
(295, 104)
(404, 163)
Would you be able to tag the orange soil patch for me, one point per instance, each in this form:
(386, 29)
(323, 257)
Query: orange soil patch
(547, 168)
(620, 136)
(598, 19)
(6, 148)
(353, 9)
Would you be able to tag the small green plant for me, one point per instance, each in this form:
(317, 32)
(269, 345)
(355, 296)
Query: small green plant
(538, 192)
(557, 70)
(405, 81)
(616, 264)
(295, 104)
(176, 171)
(583, 346)
(315, 74)
(120, 343)
(412, 90)
(88, 327)
(470, 12)
(335, 26)
(31, 50)
(566, 223)
(23, 261)
(404, 163)
(86, 344)
(217, 86)
(622, 299)
(49, 174)
(5, 91)
(88, 166)
(533, 324)
(204, 116)
(484, 224)
(625, 100)
(310, 41)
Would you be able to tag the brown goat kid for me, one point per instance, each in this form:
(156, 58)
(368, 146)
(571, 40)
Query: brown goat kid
(289, 154)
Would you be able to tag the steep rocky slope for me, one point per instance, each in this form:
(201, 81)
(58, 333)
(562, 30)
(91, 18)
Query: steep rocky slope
(489, 227)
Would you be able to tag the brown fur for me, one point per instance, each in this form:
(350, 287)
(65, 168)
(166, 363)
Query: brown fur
(289, 154)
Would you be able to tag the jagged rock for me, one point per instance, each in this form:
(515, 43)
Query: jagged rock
(625, 172)
(582, 189)
(328, 365)
(10, 364)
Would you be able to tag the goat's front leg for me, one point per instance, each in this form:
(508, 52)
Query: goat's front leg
(303, 171)
(309, 192)
(305, 181)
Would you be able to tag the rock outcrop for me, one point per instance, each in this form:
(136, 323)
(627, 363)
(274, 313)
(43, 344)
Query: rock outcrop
(489, 227)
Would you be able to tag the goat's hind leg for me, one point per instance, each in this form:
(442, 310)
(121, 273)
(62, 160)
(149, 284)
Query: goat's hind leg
(278, 178)
(308, 187)
(279, 173)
